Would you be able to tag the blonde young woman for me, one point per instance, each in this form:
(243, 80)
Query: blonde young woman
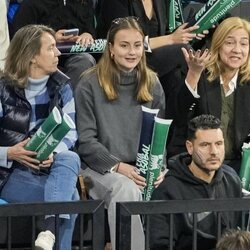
(218, 83)
(153, 16)
(108, 103)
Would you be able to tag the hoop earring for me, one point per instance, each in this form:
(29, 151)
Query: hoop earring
(112, 55)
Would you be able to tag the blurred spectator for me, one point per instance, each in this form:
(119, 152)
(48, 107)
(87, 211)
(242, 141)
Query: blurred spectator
(61, 15)
(13, 6)
(234, 240)
(4, 32)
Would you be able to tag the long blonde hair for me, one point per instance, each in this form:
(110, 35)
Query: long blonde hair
(215, 66)
(108, 72)
(25, 44)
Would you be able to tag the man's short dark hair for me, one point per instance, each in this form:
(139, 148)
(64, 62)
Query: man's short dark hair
(202, 122)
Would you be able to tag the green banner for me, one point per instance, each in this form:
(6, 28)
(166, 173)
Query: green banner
(142, 157)
(245, 167)
(157, 152)
(49, 134)
(204, 9)
(214, 14)
(175, 15)
(44, 130)
(55, 137)
(147, 126)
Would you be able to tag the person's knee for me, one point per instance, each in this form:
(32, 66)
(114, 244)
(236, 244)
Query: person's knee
(69, 159)
(75, 65)
(82, 61)
(125, 189)
(89, 58)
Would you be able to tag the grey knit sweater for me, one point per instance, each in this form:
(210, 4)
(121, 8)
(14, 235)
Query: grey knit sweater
(109, 131)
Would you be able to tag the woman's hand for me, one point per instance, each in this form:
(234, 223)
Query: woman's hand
(47, 163)
(85, 39)
(183, 35)
(20, 154)
(196, 60)
(132, 173)
(204, 33)
(159, 179)
(60, 37)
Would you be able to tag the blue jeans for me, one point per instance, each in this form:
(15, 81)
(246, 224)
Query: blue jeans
(59, 185)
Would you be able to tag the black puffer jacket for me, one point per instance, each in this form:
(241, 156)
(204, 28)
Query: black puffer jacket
(14, 125)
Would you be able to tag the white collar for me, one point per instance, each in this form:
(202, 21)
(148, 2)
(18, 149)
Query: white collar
(232, 84)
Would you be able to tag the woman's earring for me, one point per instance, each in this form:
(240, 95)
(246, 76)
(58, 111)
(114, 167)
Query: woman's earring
(112, 55)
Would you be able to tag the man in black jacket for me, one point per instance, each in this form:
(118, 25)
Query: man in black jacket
(198, 174)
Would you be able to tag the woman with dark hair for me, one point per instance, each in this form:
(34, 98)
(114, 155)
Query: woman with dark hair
(109, 116)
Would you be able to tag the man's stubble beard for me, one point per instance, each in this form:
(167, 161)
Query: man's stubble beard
(200, 162)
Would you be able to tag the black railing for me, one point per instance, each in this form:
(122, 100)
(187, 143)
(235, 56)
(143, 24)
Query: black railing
(33, 210)
(124, 210)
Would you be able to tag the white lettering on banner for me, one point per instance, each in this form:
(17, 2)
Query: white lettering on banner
(155, 162)
(203, 9)
(177, 10)
(222, 12)
(244, 181)
(142, 159)
(150, 185)
(98, 46)
(200, 12)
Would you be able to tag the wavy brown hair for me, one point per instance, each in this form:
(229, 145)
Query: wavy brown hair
(215, 66)
(25, 44)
